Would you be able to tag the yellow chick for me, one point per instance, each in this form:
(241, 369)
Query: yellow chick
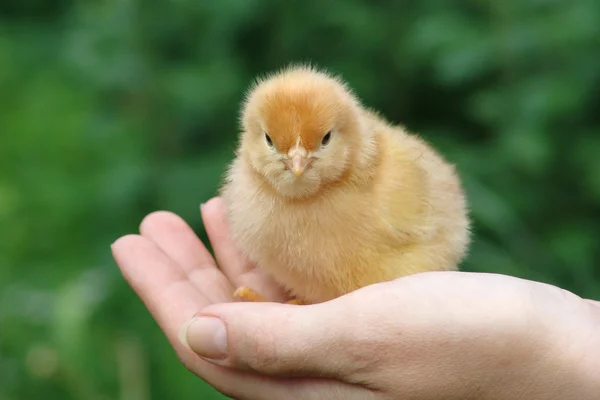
(328, 197)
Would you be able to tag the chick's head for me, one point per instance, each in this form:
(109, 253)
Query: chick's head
(301, 130)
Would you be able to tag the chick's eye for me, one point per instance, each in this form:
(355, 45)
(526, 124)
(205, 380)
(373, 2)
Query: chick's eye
(268, 140)
(326, 139)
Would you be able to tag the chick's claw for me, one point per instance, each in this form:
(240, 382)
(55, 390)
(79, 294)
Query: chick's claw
(244, 293)
(296, 302)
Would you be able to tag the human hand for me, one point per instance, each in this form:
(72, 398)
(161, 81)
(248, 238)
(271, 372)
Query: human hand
(434, 335)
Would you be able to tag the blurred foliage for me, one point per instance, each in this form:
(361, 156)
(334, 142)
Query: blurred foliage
(112, 109)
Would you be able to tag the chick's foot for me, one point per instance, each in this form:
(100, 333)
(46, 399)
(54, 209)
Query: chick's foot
(297, 302)
(244, 293)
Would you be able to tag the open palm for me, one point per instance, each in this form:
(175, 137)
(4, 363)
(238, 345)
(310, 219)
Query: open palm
(176, 276)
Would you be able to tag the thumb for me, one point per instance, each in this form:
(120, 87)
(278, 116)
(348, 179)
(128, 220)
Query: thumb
(281, 340)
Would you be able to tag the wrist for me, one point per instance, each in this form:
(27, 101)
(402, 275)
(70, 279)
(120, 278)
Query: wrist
(556, 355)
(589, 349)
(571, 367)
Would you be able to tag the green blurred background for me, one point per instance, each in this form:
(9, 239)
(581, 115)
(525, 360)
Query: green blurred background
(112, 109)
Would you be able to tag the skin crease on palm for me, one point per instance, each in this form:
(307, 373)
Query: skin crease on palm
(435, 335)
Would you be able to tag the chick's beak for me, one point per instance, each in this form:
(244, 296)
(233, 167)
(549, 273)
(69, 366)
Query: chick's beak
(298, 165)
(298, 160)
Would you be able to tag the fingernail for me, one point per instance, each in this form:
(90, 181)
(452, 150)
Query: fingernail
(205, 336)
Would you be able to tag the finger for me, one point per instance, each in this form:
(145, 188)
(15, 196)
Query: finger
(172, 300)
(161, 284)
(175, 237)
(236, 267)
(334, 339)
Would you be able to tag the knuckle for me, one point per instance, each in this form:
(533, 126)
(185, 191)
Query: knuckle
(269, 346)
(364, 357)
(367, 351)
(264, 354)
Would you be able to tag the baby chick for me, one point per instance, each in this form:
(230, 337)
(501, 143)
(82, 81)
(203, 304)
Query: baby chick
(328, 197)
